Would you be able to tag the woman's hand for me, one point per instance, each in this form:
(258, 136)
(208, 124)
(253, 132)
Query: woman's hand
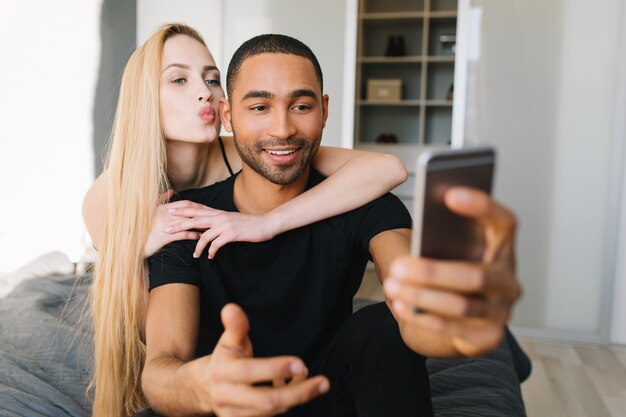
(221, 227)
(161, 233)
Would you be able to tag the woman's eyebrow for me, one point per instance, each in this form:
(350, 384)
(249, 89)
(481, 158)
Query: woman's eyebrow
(187, 67)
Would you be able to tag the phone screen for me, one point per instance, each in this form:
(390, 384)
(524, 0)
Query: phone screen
(442, 233)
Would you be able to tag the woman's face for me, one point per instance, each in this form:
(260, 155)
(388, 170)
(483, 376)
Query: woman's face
(190, 91)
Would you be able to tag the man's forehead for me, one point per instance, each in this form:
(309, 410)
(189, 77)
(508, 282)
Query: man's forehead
(269, 71)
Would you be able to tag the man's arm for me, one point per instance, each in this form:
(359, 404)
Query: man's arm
(463, 306)
(224, 382)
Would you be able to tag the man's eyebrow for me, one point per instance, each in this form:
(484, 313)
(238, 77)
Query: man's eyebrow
(187, 67)
(258, 94)
(303, 92)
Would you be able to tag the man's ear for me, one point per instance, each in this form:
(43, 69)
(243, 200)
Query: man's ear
(324, 109)
(225, 115)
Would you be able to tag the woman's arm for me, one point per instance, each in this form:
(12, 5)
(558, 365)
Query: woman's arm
(354, 179)
(94, 205)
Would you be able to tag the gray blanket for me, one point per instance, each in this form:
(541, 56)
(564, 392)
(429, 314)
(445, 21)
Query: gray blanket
(45, 352)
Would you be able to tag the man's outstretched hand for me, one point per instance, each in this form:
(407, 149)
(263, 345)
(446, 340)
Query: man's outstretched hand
(232, 376)
(463, 302)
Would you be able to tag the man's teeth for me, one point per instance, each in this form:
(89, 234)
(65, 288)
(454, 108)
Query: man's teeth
(282, 152)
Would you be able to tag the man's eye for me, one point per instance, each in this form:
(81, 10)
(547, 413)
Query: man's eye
(302, 107)
(212, 82)
(179, 81)
(259, 108)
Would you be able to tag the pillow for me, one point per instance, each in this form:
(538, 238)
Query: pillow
(53, 263)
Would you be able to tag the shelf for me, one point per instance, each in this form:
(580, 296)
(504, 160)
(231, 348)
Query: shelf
(422, 116)
(451, 14)
(389, 103)
(405, 59)
(381, 16)
(439, 103)
(440, 58)
(392, 59)
(429, 103)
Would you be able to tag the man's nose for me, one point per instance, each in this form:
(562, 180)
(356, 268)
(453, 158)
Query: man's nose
(281, 125)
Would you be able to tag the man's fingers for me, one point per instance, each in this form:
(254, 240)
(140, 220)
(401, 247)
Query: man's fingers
(471, 336)
(236, 328)
(457, 276)
(270, 400)
(499, 223)
(444, 303)
(256, 370)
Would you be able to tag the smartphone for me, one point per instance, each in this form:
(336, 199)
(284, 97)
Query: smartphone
(437, 231)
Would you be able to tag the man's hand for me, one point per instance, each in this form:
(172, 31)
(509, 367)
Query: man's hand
(230, 379)
(465, 303)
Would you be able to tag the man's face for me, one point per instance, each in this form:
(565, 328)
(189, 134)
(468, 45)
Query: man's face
(277, 114)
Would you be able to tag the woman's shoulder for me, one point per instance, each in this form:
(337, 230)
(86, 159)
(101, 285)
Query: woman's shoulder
(231, 152)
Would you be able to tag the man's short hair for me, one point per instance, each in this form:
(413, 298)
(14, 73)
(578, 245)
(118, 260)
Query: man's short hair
(269, 44)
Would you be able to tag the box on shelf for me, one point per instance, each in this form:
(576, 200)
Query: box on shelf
(384, 89)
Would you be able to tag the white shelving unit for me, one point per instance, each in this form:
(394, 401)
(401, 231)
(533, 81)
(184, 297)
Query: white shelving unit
(422, 117)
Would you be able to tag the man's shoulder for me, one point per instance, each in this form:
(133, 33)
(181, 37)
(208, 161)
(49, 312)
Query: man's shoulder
(386, 205)
(215, 195)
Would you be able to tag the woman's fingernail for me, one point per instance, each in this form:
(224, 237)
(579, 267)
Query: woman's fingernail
(171, 210)
(195, 255)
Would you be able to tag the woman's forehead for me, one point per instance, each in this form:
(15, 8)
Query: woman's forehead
(183, 49)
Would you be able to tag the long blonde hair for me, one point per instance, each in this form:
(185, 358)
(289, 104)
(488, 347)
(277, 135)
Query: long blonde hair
(135, 173)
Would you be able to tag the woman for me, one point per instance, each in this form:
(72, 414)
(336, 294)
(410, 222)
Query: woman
(158, 144)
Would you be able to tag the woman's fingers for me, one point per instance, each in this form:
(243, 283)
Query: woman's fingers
(195, 211)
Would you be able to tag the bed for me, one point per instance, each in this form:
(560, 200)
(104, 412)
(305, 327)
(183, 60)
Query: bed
(45, 355)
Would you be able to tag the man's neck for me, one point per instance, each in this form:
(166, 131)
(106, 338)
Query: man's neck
(254, 194)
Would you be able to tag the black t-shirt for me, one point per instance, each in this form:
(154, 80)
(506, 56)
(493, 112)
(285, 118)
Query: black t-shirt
(296, 289)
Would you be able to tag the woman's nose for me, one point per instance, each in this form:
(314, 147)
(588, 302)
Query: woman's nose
(205, 94)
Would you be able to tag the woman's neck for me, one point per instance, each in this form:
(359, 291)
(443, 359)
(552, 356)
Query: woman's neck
(187, 164)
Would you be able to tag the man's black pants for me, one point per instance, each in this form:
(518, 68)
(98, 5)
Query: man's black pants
(371, 371)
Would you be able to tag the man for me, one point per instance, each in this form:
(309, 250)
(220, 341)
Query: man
(240, 334)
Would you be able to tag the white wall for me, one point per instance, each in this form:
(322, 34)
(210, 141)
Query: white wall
(47, 79)
(203, 15)
(319, 24)
(545, 96)
(618, 322)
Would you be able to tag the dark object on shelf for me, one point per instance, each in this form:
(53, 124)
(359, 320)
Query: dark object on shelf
(448, 42)
(395, 46)
(450, 93)
(386, 138)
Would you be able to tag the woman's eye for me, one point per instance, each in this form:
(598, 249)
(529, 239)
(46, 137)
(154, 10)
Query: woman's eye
(212, 82)
(179, 81)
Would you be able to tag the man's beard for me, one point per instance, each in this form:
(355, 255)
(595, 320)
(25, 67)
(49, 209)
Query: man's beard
(283, 174)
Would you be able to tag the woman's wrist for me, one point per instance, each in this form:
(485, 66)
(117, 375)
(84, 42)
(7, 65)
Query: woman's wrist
(274, 221)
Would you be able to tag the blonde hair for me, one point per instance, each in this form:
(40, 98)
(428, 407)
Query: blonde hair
(136, 173)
